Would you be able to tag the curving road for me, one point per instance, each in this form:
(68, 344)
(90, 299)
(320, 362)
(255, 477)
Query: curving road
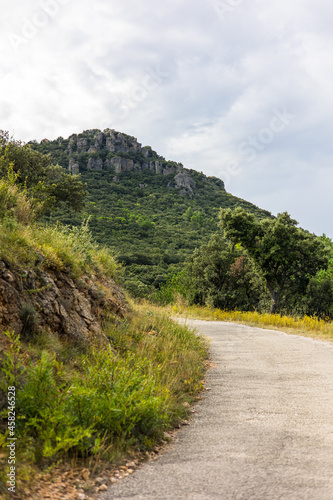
(263, 432)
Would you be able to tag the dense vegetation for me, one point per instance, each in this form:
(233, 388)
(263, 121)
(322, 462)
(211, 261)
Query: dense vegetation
(259, 265)
(151, 227)
(47, 183)
(202, 244)
(95, 402)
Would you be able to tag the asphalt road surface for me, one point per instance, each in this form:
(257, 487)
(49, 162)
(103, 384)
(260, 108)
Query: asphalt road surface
(263, 432)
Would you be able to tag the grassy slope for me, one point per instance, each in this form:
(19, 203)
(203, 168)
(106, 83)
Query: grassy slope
(88, 403)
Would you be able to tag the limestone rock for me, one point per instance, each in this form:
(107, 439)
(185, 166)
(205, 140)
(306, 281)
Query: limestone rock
(99, 138)
(82, 143)
(184, 183)
(71, 309)
(110, 144)
(74, 167)
(95, 164)
(158, 167)
(169, 170)
(121, 164)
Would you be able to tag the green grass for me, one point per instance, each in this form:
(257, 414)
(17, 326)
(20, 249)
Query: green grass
(99, 402)
(25, 242)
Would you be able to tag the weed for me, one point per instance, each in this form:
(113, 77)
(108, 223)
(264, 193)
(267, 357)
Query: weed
(308, 326)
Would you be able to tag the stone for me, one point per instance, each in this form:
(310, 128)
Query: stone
(60, 306)
(99, 480)
(103, 487)
(82, 143)
(169, 170)
(73, 167)
(116, 163)
(95, 164)
(185, 183)
(99, 138)
(7, 275)
(110, 145)
(85, 474)
(122, 149)
(121, 164)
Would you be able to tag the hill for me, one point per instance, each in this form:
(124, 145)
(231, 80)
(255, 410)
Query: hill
(151, 212)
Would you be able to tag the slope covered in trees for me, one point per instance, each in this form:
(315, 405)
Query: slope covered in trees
(152, 212)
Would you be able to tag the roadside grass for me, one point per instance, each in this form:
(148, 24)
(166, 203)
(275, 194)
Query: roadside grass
(93, 405)
(306, 326)
(24, 241)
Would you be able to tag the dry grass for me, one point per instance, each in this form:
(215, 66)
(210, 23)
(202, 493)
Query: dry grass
(307, 326)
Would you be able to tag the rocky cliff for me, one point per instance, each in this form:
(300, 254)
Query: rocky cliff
(33, 299)
(94, 150)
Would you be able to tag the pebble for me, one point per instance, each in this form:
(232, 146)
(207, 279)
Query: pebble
(99, 480)
(103, 487)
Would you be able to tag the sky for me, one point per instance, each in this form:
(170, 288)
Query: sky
(242, 90)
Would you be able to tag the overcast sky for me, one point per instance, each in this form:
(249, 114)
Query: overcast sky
(238, 89)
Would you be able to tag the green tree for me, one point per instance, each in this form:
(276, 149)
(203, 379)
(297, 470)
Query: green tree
(45, 182)
(287, 256)
(220, 275)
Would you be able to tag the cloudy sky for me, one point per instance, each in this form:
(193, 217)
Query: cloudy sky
(242, 90)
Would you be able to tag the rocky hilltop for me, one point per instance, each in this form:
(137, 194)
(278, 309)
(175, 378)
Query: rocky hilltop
(109, 150)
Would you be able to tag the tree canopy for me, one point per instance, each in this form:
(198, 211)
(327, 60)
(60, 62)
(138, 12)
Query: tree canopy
(287, 256)
(46, 182)
(220, 275)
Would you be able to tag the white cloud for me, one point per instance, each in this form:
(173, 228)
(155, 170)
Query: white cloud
(193, 86)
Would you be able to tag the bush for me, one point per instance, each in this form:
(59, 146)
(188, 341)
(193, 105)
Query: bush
(28, 316)
(319, 298)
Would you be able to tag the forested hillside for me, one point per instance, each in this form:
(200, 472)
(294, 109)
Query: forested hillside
(152, 212)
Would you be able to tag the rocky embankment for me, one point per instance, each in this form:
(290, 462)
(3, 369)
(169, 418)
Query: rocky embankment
(36, 299)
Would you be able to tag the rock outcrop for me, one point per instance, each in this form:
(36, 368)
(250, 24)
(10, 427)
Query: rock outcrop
(184, 183)
(74, 309)
(73, 167)
(95, 164)
(110, 150)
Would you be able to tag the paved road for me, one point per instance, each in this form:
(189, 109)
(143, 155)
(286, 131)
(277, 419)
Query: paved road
(263, 432)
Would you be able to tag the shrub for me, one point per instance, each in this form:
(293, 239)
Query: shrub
(28, 316)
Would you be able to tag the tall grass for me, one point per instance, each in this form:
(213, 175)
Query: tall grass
(106, 400)
(24, 241)
(306, 325)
